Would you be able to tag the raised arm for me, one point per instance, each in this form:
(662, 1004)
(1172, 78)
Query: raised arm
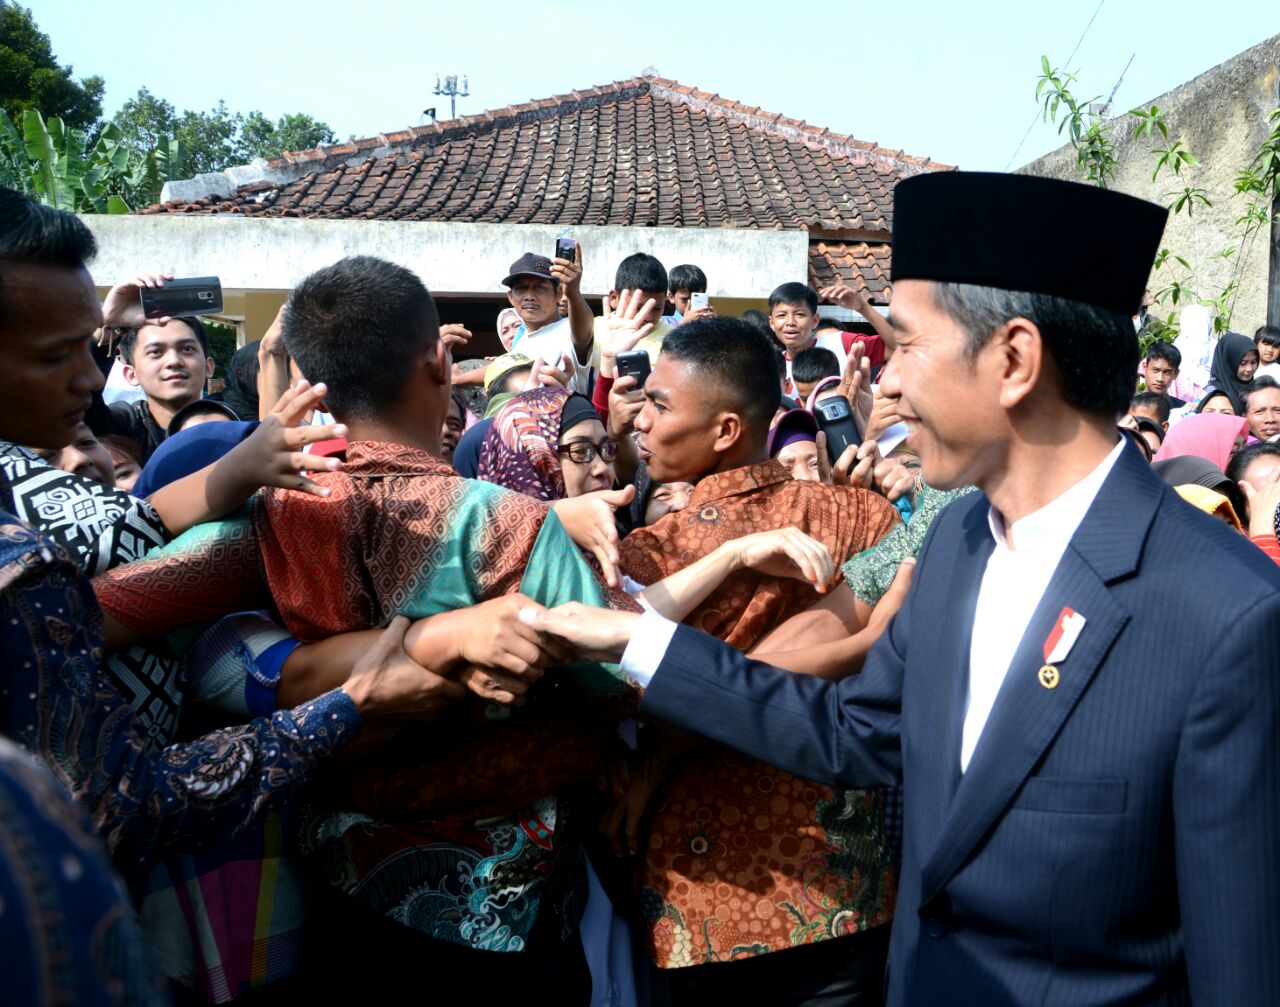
(581, 319)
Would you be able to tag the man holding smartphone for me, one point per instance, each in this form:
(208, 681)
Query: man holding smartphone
(168, 358)
(534, 285)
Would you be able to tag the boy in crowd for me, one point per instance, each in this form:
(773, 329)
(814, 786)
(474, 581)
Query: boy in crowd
(648, 275)
(685, 281)
(169, 362)
(811, 366)
(1159, 371)
(793, 316)
(1152, 406)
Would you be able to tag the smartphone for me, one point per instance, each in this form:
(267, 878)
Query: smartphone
(195, 295)
(634, 364)
(697, 301)
(566, 249)
(835, 419)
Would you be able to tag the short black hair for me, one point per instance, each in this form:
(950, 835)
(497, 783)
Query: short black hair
(360, 326)
(640, 272)
(1095, 349)
(758, 320)
(1153, 400)
(34, 234)
(794, 293)
(687, 277)
(129, 341)
(1246, 456)
(1269, 334)
(739, 359)
(1165, 351)
(1261, 382)
(814, 364)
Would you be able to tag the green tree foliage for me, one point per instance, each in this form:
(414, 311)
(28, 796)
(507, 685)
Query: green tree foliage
(218, 138)
(30, 77)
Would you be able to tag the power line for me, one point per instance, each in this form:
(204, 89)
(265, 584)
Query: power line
(1032, 124)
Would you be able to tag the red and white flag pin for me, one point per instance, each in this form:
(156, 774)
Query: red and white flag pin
(1058, 644)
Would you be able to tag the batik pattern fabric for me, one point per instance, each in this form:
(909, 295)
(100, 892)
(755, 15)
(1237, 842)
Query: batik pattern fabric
(520, 449)
(59, 705)
(467, 856)
(741, 858)
(100, 527)
(870, 573)
(67, 932)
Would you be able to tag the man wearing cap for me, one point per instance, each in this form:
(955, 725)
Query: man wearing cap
(1089, 764)
(535, 285)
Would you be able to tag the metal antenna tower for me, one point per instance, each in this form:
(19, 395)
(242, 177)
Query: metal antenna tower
(451, 90)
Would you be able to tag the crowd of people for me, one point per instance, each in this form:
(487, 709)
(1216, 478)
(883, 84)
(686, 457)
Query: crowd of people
(334, 684)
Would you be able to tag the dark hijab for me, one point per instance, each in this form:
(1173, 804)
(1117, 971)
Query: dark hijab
(1227, 355)
(1199, 472)
(241, 391)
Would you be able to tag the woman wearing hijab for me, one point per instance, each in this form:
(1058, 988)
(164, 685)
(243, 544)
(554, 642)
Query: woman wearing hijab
(1235, 359)
(1215, 401)
(1208, 435)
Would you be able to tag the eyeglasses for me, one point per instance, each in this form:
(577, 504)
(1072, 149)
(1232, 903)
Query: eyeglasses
(584, 452)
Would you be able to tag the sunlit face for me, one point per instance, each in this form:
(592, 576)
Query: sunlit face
(793, 325)
(800, 458)
(49, 374)
(536, 300)
(169, 364)
(1261, 471)
(590, 476)
(679, 424)
(1268, 354)
(1248, 365)
(950, 403)
(85, 456)
(1158, 375)
(666, 498)
(509, 323)
(1219, 404)
(1263, 413)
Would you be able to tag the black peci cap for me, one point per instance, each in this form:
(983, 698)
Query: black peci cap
(1021, 232)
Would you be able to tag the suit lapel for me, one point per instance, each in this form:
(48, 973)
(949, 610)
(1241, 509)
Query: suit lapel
(1027, 716)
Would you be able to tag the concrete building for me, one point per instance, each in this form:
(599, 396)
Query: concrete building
(646, 164)
(1221, 117)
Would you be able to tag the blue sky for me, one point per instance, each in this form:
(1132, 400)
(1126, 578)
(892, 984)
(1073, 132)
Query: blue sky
(951, 81)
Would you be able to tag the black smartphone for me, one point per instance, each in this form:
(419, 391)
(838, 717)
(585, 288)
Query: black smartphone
(835, 419)
(634, 364)
(195, 295)
(566, 249)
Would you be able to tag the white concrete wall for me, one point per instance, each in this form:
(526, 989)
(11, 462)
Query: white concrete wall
(461, 259)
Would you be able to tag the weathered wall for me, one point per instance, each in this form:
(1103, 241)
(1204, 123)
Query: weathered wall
(1221, 117)
(451, 258)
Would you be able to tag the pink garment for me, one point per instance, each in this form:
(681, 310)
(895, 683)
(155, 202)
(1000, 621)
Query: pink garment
(1207, 435)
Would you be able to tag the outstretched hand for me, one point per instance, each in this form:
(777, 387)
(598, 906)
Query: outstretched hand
(590, 523)
(786, 552)
(625, 327)
(592, 634)
(272, 455)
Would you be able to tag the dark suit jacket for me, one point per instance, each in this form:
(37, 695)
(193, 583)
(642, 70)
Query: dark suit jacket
(1116, 839)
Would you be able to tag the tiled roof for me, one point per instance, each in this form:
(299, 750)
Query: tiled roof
(861, 265)
(644, 152)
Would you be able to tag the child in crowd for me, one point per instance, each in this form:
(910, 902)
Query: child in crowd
(793, 316)
(1267, 340)
(811, 366)
(685, 281)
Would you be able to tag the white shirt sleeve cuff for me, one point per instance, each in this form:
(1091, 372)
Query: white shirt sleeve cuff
(648, 647)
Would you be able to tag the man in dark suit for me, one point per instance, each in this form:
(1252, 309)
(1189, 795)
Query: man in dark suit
(1081, 695)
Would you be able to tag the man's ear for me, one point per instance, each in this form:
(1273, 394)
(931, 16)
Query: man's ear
(209, 365)
(1021, 358)
(728, 432)
(130, 375)
(613, 300)
(439, 363)
(511, 297)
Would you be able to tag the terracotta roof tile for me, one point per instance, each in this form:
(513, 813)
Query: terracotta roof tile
(862, 265)
(645, 151)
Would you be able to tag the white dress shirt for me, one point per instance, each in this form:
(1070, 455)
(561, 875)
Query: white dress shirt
(1013, 585)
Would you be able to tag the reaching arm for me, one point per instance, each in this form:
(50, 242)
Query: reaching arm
(273, 367)
(581, 320)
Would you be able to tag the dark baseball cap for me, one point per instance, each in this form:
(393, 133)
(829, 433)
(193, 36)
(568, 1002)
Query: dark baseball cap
(529, 265)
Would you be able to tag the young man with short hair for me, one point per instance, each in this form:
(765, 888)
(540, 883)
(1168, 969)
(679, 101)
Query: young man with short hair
(793, 316)
(684, 281)
(645, 273)
(1159, 371)
(169, 362)
(811, 366)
